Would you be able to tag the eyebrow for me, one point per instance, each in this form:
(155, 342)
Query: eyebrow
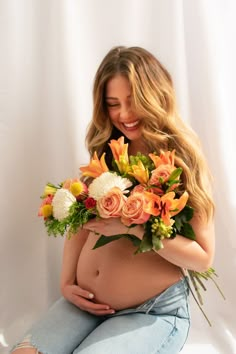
(115, 98)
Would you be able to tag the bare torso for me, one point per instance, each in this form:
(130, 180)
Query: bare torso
(121, 279)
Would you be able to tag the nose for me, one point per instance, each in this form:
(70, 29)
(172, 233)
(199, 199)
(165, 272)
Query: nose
(126, 113)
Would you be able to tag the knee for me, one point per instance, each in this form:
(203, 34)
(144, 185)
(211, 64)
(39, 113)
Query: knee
(29, 350)
(25, 347)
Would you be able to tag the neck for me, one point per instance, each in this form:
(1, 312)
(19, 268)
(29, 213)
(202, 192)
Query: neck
(138, 146)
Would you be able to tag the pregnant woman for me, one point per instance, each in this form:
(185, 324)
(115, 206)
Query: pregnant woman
(114, 301)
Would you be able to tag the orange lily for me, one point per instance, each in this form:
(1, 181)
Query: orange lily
(120, 153)
(140, 173)
(165, 158)
(165, 206)
(96, 167)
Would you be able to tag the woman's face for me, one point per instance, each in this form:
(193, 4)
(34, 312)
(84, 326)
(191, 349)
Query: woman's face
(118, 98)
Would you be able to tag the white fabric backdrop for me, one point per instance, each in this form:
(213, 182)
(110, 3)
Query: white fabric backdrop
(49, 52)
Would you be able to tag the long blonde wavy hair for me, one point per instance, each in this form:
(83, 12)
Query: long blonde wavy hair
(154, 101)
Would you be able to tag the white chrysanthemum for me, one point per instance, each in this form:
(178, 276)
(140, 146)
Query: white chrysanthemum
(61, 203)
(105, 182)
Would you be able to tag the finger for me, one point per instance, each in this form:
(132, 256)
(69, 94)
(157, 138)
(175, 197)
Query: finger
(90, 224)
(93, 224)
(80, 301)
(98, 312)
(101, 312)
(89, 305)
(82, 292)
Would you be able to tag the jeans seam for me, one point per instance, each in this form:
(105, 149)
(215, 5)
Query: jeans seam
(188, 318)
(171, 335)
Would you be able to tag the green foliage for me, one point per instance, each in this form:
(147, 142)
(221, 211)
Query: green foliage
(55, 227)
(173, 179)
(196, 284)
(104, 240)
(175, 174)
(147, 162)
(78, 216)
(145, 244)
(182, 226)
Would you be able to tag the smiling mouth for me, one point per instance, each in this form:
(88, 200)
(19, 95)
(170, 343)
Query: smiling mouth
(131, 125)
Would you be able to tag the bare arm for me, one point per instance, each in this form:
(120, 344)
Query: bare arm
(195, 255)
(71, 252)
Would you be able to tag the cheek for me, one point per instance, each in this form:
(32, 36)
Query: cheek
(114, 116)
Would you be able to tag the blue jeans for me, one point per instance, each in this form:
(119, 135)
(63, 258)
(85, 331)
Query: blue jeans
(159, 325)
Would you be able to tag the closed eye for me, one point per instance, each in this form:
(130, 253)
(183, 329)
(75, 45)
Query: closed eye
(112, 104)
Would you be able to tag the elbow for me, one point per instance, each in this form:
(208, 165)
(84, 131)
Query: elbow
(202, 268)
(204, 265)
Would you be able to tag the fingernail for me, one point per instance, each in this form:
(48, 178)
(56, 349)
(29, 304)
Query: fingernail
(112, 311)
(91, 296)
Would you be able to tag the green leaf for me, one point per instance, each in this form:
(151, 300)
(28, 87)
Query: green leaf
(145, 245)
(157, 244)
(104, 240)
(176, 173)
(187, 231)
(181, 225)
(184, 216)
(187, 213)
(134, 239)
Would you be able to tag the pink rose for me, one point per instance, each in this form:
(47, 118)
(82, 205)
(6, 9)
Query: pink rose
(111, 204)
(138, 189)
(132, 212)
(161, 175)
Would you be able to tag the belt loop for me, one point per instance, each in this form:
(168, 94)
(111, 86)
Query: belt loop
(152, 304)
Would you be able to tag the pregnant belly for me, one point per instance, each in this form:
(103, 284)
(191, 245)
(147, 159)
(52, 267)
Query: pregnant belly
(121, 279)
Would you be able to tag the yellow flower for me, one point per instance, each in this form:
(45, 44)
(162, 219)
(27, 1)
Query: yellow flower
(120, 154)
(46, 210)
(49, 190)
(140, 173)
(96, 167)
(77, 188)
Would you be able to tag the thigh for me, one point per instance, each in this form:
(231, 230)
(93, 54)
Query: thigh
(137, 333)
(62, 328)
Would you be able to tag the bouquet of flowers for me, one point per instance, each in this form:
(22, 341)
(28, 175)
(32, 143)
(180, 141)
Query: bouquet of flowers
(139, 189)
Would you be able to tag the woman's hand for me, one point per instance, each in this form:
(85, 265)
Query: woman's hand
(106, 227)
(85, 300)
(113, 226)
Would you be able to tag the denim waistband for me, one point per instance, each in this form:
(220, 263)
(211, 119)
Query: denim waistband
(164, 303)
